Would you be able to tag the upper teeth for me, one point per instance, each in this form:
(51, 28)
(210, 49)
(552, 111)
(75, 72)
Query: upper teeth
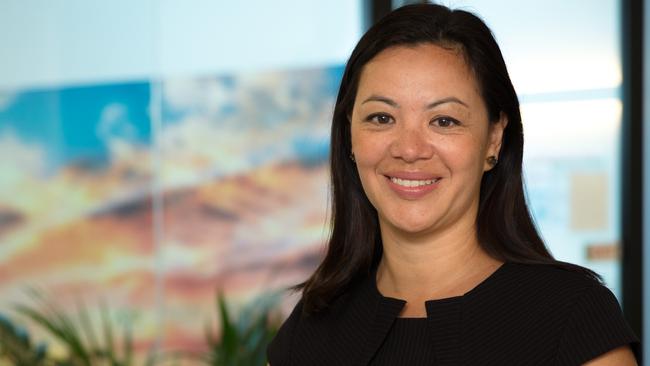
(413, 183)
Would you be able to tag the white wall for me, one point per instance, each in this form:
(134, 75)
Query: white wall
(45, 42)
(554, 45)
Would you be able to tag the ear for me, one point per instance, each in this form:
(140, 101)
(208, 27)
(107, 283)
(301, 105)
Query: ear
(495, 139)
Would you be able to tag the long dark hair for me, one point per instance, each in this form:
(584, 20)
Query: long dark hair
(505, 228)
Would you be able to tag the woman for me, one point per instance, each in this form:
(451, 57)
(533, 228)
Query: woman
(433, 257)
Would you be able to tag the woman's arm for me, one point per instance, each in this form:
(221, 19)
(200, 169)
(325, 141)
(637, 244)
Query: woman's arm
(621, 356)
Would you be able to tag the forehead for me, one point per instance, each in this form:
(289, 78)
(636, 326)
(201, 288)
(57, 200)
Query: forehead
(420, 69)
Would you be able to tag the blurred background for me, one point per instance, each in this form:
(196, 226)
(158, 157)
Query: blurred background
(160, 157)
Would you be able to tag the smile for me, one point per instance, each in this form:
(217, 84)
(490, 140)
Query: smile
(413, 183)
(418, 186)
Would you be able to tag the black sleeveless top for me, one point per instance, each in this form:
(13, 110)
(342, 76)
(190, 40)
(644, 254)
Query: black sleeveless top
(520, 315)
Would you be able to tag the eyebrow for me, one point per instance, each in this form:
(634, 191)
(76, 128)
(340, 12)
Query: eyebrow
(392, 103)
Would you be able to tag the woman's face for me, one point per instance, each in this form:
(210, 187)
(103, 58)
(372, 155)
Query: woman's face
(421, 137)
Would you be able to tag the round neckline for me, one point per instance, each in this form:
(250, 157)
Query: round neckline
(429, 303)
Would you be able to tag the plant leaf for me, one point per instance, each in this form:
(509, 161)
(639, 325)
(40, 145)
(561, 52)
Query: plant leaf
(86, 326)
(229, 337)
(107, 330)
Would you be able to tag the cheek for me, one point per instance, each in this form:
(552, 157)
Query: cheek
(354, 140)
(462, 154)
(368, 148)
(367, 159)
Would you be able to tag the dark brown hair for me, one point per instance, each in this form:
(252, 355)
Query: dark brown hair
(505, 228)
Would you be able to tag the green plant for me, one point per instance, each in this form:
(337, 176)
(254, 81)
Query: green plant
(85, 345)
(237, 342)
(17, 347)
(243, 340)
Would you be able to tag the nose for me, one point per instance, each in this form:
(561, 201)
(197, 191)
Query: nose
(412, 143)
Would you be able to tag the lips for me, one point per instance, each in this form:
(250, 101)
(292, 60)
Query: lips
(412, 185)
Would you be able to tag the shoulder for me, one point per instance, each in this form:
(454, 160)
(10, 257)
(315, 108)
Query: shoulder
(594, 326)
(584, 314)
(548, 283)
(551, 277)
(303, 338)
(278, 351)
(557, 292)
(532, 288)
(301, 332)
(534, 296)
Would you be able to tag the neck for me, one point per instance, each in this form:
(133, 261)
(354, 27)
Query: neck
(446, 265)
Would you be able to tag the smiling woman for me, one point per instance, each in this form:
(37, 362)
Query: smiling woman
(433, 257)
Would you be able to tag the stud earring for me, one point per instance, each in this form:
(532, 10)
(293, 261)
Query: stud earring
(352, 157)
(492, 160)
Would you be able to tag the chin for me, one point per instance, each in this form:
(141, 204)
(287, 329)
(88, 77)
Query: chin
(412, 227)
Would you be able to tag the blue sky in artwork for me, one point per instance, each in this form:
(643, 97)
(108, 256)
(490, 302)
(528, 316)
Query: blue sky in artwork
(72, 125)
(65, 122)
(335, 73)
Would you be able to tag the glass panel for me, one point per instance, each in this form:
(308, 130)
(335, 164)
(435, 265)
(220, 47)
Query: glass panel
(155, 151)
(243, 142)
(245, 186)
(75, 187)
(564, 60)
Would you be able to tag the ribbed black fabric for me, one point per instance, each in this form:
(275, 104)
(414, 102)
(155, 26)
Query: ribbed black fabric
(520, 315)
(407, 343)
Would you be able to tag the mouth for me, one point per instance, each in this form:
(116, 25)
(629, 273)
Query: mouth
(412, 186)
(413, 183)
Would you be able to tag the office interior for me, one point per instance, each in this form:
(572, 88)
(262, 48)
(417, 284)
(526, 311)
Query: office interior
(159, 157)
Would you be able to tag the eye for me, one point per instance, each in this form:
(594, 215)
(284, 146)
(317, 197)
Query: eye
(379, 118)
(445, 121)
